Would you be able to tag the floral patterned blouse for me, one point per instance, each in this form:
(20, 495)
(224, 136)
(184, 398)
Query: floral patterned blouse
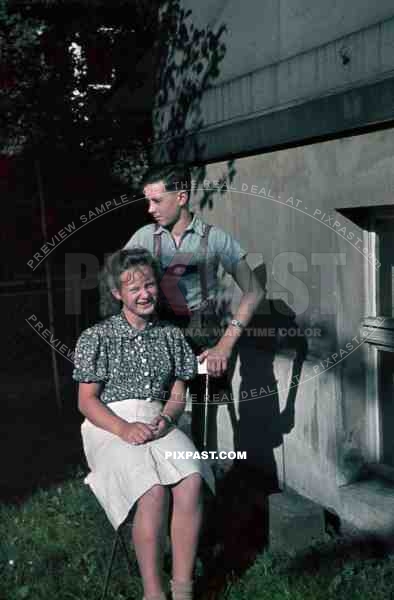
(131, 363)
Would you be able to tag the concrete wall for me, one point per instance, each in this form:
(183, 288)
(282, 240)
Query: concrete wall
(267, 32)
(281, 53)
(329, 440)
(293, 72)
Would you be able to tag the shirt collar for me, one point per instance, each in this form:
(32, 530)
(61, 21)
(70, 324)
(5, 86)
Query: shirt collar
(129, 329)
(196, 224)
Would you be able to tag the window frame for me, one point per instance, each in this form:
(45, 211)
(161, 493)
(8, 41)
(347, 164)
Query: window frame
(378, 332)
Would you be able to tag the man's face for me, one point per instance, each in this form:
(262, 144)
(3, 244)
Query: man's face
(165, 207)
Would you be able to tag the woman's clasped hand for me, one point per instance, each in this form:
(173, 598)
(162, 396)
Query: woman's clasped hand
(139, 433)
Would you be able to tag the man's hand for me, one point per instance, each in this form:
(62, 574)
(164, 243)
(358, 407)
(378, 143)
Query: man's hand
(217, 360)
(136, 433)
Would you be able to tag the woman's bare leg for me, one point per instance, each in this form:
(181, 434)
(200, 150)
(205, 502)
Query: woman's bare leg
(185, 526)
(148, 538)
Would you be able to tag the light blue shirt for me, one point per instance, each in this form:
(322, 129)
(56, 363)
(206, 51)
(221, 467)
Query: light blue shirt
(184, 261)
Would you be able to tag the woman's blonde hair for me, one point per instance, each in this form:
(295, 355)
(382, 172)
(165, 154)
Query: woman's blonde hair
(116, 264)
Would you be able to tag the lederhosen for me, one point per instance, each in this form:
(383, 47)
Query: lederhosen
(201, 327)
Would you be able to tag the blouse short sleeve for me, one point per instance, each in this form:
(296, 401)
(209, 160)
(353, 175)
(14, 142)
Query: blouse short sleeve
(90, 358)
(184, 357)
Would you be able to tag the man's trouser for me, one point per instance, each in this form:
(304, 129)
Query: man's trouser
(219, 392)
(202, 330)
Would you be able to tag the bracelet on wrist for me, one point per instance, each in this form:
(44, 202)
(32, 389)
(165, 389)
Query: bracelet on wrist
(168, 418)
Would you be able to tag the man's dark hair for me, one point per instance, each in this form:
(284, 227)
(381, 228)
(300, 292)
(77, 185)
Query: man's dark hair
(175, 177)
(116, 264)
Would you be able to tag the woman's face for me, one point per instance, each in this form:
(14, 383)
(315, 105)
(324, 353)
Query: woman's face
(138, 290)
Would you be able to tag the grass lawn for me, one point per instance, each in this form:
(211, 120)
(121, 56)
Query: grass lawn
(55, 546)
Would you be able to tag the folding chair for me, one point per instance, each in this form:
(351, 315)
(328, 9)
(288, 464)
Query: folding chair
(118, 541)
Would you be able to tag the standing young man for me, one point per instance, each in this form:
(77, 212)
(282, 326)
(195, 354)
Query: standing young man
(190, 252)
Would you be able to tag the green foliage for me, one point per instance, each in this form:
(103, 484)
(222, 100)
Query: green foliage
(60, 63)
(335, 578)
(71, 74)
(189, 64)
(57, 545)
(23, 72)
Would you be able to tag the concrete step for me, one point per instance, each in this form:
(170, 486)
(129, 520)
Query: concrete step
(295, 523)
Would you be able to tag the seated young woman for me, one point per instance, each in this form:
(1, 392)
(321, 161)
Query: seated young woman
(131, 368)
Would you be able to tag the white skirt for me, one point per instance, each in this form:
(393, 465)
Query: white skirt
(121, 473)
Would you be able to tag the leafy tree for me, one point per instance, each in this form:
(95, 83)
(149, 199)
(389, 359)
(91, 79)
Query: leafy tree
(60, 67)
(22, 72)
(82, 79)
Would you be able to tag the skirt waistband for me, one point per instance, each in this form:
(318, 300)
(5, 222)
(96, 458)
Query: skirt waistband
(136, 400)
(135, 409)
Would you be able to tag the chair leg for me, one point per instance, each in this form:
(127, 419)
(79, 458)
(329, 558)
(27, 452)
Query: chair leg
(126, 552)
(111, 562)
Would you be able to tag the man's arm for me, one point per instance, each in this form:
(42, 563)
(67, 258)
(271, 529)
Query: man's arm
(252, 294)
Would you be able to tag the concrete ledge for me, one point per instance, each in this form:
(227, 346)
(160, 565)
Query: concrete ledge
(295, 523)
(322, 118)
(369, 506)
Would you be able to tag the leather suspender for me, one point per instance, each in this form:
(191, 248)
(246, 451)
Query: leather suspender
(202, 264)
(157, 243)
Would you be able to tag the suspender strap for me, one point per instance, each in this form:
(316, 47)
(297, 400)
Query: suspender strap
(203, 263)
(157, 243)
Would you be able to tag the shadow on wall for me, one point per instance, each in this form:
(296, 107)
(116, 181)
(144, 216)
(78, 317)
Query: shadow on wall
(241, 507)
(189, 64)
(261, 424)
